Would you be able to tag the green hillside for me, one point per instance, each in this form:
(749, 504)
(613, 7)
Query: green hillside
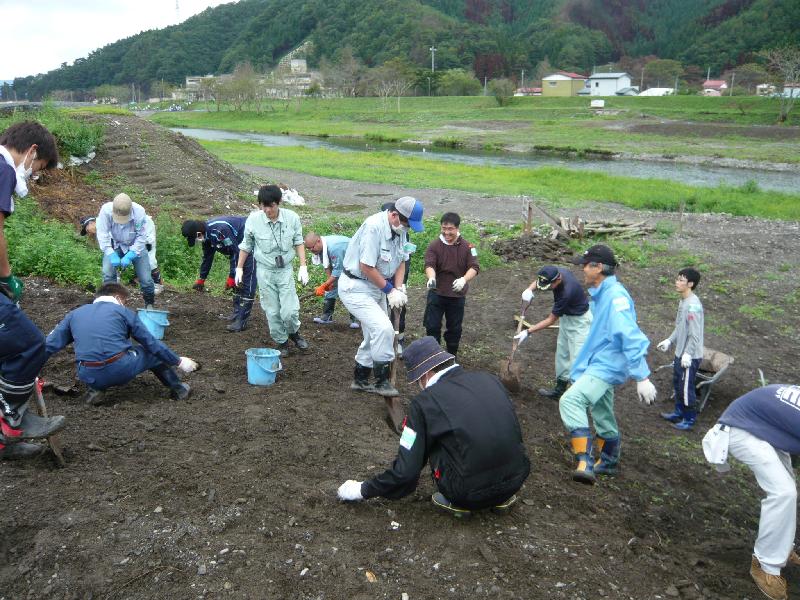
(492, 37)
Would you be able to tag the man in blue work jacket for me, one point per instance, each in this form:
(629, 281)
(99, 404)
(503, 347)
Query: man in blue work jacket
(102, 332)
(25, 149)
(328, 251)
(615, 350)
(122, 237)
(223, 235)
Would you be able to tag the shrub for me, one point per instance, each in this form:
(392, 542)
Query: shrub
(503, 91)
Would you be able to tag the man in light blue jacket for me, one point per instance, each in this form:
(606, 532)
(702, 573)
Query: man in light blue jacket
(122, 237)
(615, 351)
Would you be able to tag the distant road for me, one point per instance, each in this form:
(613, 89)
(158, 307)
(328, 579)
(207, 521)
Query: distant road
(11, 105)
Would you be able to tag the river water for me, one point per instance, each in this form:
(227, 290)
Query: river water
(699, 175)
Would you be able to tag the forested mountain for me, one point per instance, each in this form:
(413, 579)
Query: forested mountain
(492, 37)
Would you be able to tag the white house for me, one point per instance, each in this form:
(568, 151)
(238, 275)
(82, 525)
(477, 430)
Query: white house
(607, 84)
(657, 91)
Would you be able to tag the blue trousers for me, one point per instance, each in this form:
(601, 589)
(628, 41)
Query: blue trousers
(122, 371)
(683, 380)
(143, 274)
(22, 345)
(246, 293)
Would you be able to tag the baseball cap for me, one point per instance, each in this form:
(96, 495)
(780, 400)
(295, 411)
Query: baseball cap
(84, 222)
(411, 209)
(596, 254)
(546, 276)
(190, 229)
(121, 208)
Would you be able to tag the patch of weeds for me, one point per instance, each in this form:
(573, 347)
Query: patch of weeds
(663, 280)
(665, 229)
(723, 287)
(720, 329)
(447, 143)
(750, 187)
(760, 293)
(772, 276)
(784, 267)
(92, 178)
(763, 311)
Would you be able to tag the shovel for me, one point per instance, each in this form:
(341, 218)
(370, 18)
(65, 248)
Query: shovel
(53, 441)
(509, 372)
(393, 405)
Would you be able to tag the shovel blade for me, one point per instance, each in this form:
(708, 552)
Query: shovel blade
(509, 375)
(53, 441)
(395, 415)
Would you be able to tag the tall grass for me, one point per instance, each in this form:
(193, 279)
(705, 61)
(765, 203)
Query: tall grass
(557, 185)
(74, 135)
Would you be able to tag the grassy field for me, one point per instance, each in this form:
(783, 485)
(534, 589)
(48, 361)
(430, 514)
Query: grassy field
(557, 185)
(722, 126)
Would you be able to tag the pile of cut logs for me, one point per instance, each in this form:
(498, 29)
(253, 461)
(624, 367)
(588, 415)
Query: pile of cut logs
(579, 228)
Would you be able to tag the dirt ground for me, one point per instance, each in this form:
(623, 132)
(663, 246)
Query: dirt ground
(231, 494)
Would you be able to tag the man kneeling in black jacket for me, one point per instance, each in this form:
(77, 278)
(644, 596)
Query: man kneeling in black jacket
(464, 424)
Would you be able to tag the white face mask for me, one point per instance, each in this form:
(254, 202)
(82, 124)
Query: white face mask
(399, 229)
(23, 175)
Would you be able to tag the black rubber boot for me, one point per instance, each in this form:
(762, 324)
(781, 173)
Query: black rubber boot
(237, 325)
(20, 451)
(16, 422)
(284, 349)
(382, 385)
(452, 349)
(298, 341)
(167, 376)
(556, 392)
(361, 379)
(327, 312)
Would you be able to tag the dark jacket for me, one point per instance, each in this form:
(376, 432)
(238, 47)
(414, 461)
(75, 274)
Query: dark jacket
(223, 235)
(466, 428)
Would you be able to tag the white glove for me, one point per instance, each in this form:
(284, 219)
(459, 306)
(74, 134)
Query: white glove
(302, 274)
(646, 391)
(350, 490)
(431, 283)
(527, 295)
(664, 346)
(187, 365)
(403, 288)
(686, 360)
(521, 336)
(397, 299)
(237, 278)
(459, 284)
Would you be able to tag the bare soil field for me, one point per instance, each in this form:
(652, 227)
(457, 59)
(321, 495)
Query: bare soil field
(231, 494)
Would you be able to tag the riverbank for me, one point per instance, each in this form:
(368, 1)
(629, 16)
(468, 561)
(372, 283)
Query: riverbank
(558, 186)
(740, 129)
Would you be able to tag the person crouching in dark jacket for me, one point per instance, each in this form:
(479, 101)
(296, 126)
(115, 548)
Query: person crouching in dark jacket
(465, 426)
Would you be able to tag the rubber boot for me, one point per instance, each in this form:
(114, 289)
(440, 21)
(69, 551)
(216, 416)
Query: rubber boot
(688, 420)
(237, 325)
(361, 379)
(452, 349)
(167, 376)
(382, 385)
(283, 348)
(608, 453)
(16, 422)
(20, 450)
(556, 392)
(327, 312)
(581, 442)
(298, 340)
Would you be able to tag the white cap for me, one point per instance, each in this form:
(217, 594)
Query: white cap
(121, 211)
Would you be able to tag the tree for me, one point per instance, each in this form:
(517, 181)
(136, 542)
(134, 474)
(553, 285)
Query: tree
(343, 75)
(747, 76)
(785, 63)
(394, 78)
(502, 90)
(459, 82)
(662, 72)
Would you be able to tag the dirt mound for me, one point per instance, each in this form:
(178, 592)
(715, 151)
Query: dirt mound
(532, 246)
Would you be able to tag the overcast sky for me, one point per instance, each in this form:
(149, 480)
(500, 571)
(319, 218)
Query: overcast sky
(38, 35)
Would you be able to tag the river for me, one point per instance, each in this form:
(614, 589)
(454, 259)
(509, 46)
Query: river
(697, 175)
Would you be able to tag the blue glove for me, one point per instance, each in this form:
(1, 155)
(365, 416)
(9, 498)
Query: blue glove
(128, 259)
(114, 259)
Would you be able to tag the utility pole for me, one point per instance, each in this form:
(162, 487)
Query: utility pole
(485, 80)
(708, 75)
(733, 77)
(433, 58)
(523, 79)
(676, 86)
(641, 81)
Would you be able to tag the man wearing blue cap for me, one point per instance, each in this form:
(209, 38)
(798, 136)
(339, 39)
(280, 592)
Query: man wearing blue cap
(570, 311)
(465, 426)
(374, 267)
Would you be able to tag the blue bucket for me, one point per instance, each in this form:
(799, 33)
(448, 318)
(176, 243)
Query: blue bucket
(263, 365)
(155, 321)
